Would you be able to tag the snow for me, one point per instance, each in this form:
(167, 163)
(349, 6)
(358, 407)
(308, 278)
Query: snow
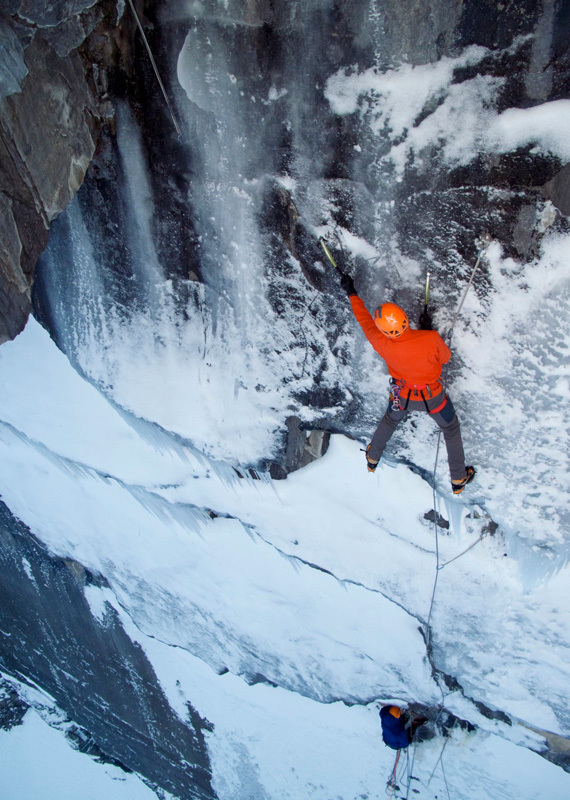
(267, 742)
(510, 346)
(317, 583)
(287, 612)
(36, 761)
(508, 356)
(543, 125)
(396, 95)
(74, 420)
(420, 106)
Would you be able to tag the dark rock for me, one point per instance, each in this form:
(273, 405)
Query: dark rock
(491, 713)
(523, 231)
(69, 34)
(51, 638)
(49, 14)
(490, 527)
(33, 188)
(83, 741)
(13, 69)
(12, 707)
(496, 25)
(557, 748)
(280, 214)
(438, 720)
(560, 53)
(558, 190)
(431, 516)
(301, 448)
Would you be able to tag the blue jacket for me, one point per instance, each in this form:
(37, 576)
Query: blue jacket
(394, 730)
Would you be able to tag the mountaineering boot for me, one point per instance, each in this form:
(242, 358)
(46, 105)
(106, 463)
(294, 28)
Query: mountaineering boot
(458, 486)
(370, 462)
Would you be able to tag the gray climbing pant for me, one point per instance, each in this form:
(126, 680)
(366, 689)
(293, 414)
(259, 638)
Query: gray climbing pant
(445, 417)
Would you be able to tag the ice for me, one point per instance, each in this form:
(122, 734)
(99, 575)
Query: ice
(227, 590)
(38, 762)
(286, 611)
(272, 743)
(349, 553)
(460, 114)
(543, 126)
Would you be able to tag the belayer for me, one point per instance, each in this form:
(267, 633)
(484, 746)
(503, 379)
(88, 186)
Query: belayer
(414, 359)
(398, 727)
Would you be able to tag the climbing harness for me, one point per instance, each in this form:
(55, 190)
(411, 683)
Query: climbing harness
(418, 389)
(155, 68)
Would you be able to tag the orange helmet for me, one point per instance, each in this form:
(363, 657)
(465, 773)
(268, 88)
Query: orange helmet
(391, 320)
(395, 711)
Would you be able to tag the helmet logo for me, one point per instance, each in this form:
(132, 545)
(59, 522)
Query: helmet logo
(392, 320)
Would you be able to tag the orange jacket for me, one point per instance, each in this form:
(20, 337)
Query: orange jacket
(415, 357)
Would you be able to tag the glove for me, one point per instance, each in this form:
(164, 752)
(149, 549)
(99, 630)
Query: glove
(426, 323)
(347, 284)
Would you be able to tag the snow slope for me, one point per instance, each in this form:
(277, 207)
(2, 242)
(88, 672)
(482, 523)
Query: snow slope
(36, 761)
(317, 584)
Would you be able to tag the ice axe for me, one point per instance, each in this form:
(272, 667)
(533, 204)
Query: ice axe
(345, 280)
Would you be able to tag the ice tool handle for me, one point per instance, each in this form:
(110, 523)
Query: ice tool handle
(426, 291)
(328, 253)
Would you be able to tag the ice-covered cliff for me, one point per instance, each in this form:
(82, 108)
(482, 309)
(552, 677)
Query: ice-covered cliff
(209, 352)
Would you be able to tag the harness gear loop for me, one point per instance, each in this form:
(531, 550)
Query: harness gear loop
(397, 386)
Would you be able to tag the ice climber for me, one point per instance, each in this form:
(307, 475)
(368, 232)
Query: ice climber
(414, 359)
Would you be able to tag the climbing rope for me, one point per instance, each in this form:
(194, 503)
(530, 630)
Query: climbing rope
(437, 763)
(391, 782)
(485, 241)
(439, 566)
(462, 553)
(155, 68)
(445, 781)
(410, 769)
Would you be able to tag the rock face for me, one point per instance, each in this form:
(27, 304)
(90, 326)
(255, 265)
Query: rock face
(195, 228)
(96, 674)
(216, 233)
(12, 707)
(49, 117)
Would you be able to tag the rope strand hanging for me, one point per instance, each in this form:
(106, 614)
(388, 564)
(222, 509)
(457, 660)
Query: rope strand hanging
(485, 241)
(155, 68)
